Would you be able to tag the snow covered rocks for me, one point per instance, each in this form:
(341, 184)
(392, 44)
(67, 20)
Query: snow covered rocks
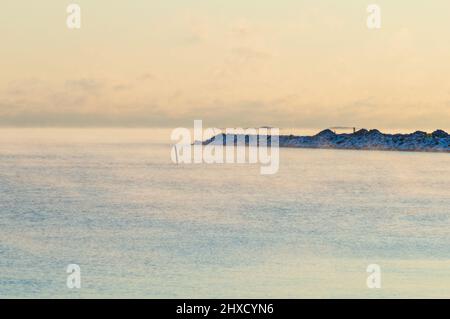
(438, 141)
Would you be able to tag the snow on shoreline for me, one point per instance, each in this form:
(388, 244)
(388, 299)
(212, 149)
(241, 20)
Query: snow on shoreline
(438, 141)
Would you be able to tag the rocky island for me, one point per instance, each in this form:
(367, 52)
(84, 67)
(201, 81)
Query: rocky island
(438, 141)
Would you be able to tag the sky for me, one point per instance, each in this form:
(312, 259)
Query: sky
(233, 63)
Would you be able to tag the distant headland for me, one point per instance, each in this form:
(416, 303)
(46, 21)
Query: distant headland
(419, 141)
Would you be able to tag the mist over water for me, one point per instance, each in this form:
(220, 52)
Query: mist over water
(111, 201)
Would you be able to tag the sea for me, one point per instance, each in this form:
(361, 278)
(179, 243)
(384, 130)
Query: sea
(328, 224)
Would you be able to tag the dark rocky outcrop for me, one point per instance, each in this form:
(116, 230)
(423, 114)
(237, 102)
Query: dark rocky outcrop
(438, 141)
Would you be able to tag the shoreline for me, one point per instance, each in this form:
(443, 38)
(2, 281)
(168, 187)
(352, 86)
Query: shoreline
(373, 140)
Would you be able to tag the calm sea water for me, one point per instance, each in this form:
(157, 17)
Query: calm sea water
(112, 202)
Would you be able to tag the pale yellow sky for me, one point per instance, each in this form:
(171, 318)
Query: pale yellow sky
(285, 63)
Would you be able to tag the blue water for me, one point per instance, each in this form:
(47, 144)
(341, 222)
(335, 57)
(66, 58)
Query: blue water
(138, 225)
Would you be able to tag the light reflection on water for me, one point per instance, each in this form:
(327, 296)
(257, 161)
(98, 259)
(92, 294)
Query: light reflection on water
(140, 226)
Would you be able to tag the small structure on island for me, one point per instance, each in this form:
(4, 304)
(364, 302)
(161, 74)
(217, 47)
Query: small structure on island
(335, 128)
